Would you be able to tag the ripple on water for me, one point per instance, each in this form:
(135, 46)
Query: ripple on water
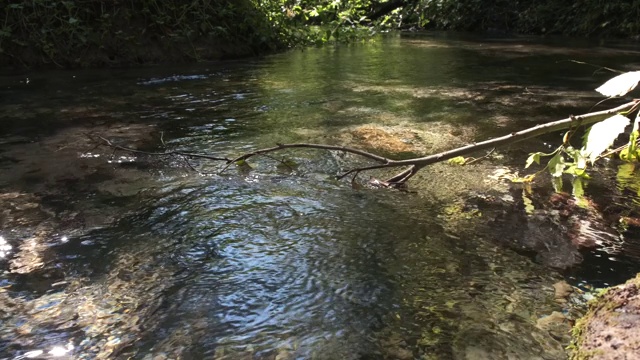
(263, 265)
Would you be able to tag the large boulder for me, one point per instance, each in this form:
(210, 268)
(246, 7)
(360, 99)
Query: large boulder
(609, 330)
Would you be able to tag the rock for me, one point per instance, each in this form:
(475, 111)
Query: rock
(609, 330)
(562, 291)
(552, 321)
(284, 355)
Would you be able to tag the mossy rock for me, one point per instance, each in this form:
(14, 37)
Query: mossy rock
(609, 330)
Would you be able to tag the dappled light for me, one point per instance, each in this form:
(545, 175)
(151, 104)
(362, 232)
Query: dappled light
(134, 225)
(5, 248)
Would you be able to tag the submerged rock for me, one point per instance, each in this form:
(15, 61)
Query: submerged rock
(562, 291)
(609, 330)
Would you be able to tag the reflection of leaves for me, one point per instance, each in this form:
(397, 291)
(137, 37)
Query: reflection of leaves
(627, 177)
(287, 165)
(529, 208)
(578, 188)
(620, 85)
(557, 184)
(602, 135)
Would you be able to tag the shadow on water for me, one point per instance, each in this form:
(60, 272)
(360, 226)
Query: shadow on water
(109, 255)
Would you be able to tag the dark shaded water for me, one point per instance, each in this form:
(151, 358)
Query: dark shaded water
(109, 255)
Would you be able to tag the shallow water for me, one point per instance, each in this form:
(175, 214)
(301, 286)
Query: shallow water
(113, 255)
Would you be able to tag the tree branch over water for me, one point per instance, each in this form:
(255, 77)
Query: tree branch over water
(414, 164)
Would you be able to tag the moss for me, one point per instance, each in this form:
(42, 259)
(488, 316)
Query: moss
(603, 306)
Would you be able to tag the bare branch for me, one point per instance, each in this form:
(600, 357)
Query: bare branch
(167, 153)
(585, 119)
(279, 147)
(414, 164)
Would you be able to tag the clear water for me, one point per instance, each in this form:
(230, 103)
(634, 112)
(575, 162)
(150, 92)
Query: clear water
(113, 255)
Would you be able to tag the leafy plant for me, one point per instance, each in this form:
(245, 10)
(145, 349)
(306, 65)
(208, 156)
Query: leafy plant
(598, 139)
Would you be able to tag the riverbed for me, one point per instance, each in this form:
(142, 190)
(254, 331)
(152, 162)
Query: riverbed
(109, 254)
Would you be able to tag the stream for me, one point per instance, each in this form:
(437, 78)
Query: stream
(115, 255)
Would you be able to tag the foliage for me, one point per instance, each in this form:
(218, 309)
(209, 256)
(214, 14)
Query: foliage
(87, 32)
(579, 17)
(599, 137)
(100, 32)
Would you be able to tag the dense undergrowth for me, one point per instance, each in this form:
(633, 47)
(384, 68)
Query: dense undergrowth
(577, 18)
(94, 33)
(80, 33)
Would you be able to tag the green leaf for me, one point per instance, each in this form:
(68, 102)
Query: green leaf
(556, 165)
(574, 170)
(603, 134)
(459, 160)
(535, 157)
(631, 153)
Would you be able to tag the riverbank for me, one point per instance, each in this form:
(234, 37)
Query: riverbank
(82, 33)
(74, 34)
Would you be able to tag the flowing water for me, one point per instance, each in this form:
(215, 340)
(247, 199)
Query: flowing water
(112, 254)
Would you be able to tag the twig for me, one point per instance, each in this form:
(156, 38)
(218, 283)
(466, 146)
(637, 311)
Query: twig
(480, 158)
(166, 153)
(594, 65)
(362, 153)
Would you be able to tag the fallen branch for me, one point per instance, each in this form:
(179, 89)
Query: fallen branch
(415, 164)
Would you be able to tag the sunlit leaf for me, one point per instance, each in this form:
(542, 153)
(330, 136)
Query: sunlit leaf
(459, 160)
(620, 85)
(631, 152)
(578, 156)
(626, 175)
(526, 179)
(576, 171)
(535, 157)
(602, 135)
(556, 165)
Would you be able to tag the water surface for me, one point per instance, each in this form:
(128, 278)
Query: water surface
(116, 255)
